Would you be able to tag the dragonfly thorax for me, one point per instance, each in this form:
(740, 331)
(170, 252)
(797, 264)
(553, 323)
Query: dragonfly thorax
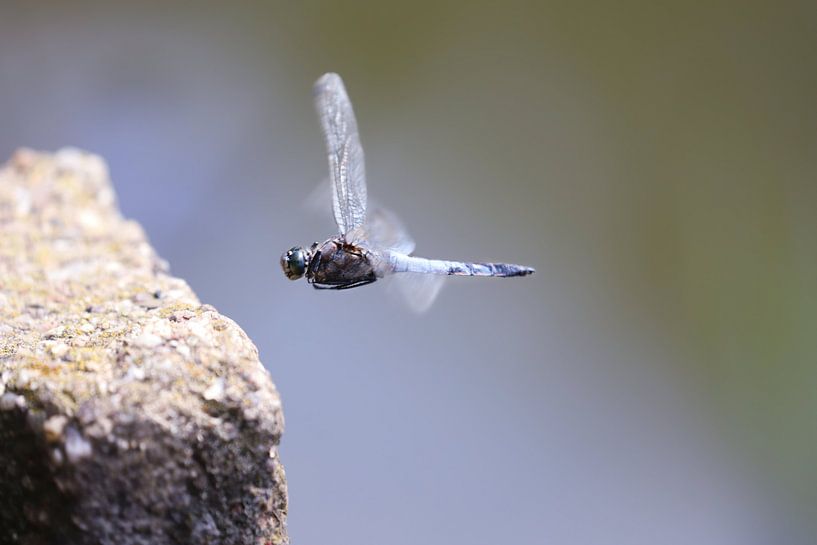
(295, 261)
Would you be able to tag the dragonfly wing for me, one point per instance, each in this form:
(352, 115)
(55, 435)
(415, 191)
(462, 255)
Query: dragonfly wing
(383, 235)
(347, 170)
(383, 230)
(415, 290)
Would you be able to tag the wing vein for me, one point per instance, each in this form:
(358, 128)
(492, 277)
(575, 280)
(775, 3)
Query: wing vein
(347, 169)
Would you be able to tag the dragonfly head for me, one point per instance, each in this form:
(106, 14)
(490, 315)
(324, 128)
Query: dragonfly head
(294, 262)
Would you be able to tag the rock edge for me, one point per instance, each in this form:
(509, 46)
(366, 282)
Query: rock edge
(130, 413)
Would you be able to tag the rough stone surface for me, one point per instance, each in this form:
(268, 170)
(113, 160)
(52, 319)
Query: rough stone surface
(130, 413)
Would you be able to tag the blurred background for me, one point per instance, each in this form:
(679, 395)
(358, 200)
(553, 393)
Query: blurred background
(654, 382)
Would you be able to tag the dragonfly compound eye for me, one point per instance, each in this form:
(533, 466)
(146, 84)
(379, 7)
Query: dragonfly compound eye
(294, 263)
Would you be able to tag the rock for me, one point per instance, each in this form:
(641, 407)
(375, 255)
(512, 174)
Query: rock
(130, 413)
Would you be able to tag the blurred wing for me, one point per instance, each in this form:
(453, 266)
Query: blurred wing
(383, 230)
(315, 202)
(347, 171)
(382, 234)
(417, 291)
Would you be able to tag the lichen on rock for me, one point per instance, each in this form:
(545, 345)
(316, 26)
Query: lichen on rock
(129, 411)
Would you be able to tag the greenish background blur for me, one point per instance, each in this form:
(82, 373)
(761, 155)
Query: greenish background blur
(654, 382)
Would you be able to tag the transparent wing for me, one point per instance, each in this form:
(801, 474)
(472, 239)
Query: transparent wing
(315, 203)
(384, 233)
(416, 291)
(347, 171)
(383, 230)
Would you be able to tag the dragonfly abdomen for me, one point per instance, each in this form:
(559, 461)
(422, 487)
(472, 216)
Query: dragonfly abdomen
(405, 263)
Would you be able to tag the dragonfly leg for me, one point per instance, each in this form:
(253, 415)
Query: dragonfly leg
(314, 261)
(345, 286)
(355, 284)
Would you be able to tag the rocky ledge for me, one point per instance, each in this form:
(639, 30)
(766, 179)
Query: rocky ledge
(130, 413)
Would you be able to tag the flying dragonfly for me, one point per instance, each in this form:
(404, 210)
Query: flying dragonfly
(370, 245)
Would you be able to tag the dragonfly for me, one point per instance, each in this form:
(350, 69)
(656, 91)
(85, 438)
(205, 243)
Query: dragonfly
(370, 244)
